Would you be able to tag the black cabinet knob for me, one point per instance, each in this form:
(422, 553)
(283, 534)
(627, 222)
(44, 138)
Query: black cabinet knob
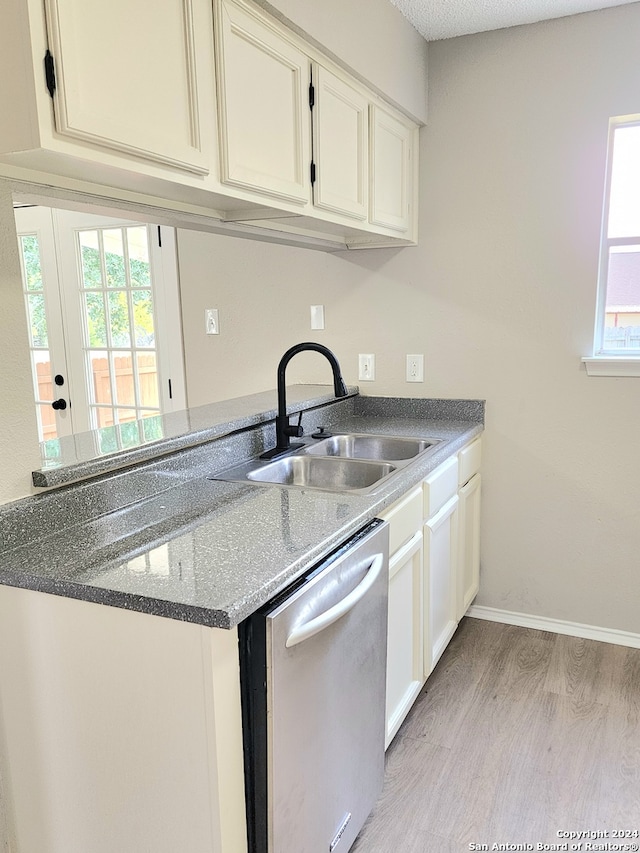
(59, 405)
(58, 379)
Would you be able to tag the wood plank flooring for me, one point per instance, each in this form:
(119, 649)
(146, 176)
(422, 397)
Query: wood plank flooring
(518, 734)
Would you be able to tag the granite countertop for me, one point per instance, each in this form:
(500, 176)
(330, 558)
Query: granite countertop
(163, 538)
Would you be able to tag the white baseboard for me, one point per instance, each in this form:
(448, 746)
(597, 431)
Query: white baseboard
(556, 626)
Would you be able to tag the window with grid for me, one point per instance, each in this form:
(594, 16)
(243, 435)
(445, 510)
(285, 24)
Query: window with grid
(120, 329)
(617, 331)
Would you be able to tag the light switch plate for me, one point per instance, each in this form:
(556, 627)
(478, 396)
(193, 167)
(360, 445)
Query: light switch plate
(317, 316)
(211, 321)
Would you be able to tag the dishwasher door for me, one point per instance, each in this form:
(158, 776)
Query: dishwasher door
(320, 765)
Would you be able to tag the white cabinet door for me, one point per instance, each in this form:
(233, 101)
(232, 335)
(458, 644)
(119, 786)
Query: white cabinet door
(405, 631)
(391, 171)
(263, 86)
(339, 145)
(469, 542)
(440, 567)
(126, 76)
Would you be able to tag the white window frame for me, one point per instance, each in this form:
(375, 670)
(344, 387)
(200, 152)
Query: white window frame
(605, 362)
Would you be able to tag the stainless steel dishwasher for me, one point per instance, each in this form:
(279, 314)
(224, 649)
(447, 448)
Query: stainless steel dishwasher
(313, 672)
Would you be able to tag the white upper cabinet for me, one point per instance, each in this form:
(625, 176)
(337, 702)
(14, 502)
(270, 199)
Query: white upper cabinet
(263, 86)
(203, 107)
(392, 170)
(340, 130)
(126, 77)
(118, 94)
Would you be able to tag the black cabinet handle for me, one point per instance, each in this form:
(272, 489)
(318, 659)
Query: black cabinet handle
(58, 379)
(59, 405)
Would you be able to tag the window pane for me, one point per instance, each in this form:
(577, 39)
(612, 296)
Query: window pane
(624, 204)
(119, 319)
(114, 257)
(152, 427)
(51, 449)
(90, 254)
(46, 422)
(108, 439)
(96, 320)
(104, 417)
(123, 372)
(148, 379)
(622, 312)
(129, 432)
(101, 383)
(143, 318)
(43, 375)
(37, 320)
(138, 257)
(31, 258)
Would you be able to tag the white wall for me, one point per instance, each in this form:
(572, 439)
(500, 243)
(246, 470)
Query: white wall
(514, 161)
(500, 298)
(372, 38)
(18, 429)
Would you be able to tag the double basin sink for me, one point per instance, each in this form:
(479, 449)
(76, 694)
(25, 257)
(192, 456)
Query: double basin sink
(351, 462)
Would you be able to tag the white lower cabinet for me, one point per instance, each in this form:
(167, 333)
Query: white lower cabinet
(122, 730)
(405, 631)
(440, 552)
(434, 536)
(469, 495)
(405, 647)
(440, 559)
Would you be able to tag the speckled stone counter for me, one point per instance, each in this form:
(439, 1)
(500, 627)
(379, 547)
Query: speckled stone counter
(161, 537)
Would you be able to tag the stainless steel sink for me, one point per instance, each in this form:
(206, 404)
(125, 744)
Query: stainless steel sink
(346, 462)
(364, 446)
(329, 473)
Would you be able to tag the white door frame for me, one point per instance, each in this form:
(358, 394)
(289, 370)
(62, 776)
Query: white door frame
(64, 306)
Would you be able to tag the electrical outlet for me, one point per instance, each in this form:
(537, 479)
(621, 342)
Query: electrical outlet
(415, 368)
(211, 323)
(367, 367)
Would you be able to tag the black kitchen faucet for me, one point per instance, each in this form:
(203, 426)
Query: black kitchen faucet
(283, 428)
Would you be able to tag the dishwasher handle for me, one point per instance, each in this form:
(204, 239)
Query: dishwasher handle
(319, 623)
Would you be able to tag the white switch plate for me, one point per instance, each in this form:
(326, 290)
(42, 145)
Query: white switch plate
(415, 368)
(211, 322)
(367, 367)
(317, 316)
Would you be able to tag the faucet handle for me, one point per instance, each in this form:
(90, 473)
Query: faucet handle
(295, 430)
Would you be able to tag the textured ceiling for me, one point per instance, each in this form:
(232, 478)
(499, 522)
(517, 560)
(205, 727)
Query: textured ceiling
(441, 19)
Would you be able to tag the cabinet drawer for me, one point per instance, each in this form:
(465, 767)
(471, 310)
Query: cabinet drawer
(469, 461)
(405, 518)
(440, 486)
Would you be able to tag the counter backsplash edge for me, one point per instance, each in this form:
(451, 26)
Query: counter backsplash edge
(34, 518)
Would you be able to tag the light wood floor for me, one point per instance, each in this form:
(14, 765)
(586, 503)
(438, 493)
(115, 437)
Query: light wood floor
(516, 735)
